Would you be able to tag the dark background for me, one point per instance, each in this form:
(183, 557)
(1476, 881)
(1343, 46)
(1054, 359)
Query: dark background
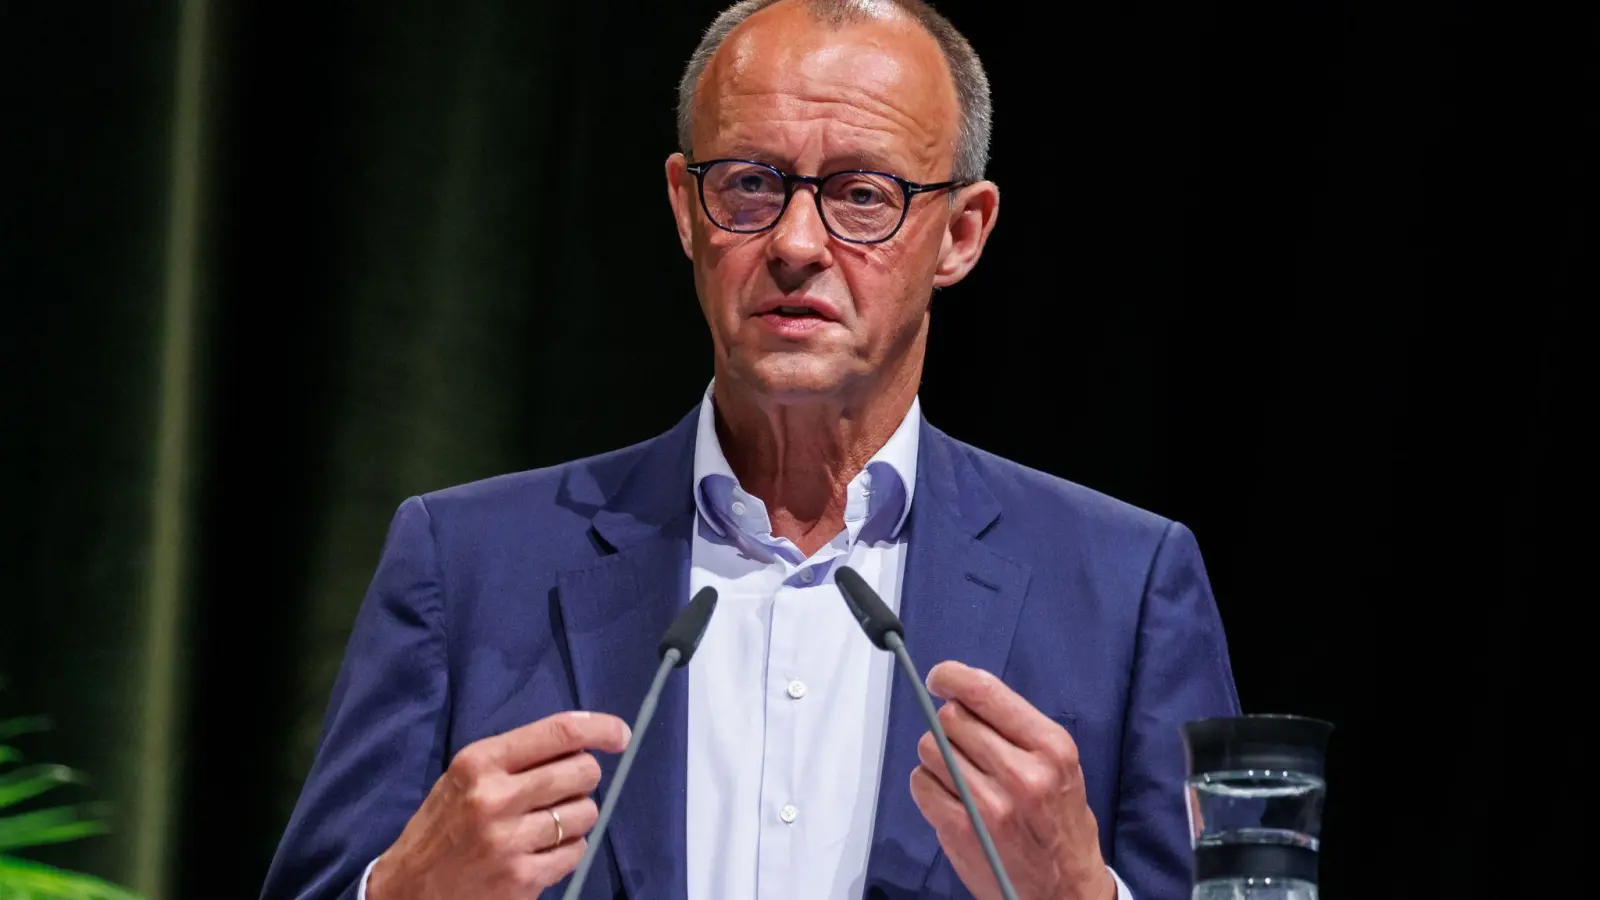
(1301, 275)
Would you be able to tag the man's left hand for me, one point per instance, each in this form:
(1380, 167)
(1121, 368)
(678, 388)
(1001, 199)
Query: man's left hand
(1022, 769)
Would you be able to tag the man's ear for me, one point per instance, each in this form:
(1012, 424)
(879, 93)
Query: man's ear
(972, 217)
(681, 194)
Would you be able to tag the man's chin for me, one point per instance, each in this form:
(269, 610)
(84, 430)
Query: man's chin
(796, 378)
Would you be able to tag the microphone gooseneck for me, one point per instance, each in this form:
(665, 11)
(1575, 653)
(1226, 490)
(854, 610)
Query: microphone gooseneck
(676, 648)
(885, 631)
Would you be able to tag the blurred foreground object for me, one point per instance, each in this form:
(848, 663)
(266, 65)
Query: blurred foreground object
(21, 829)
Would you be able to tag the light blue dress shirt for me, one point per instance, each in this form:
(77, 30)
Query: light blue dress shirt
(788, 700)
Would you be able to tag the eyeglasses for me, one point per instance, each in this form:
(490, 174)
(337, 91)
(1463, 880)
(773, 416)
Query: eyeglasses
(858, 206)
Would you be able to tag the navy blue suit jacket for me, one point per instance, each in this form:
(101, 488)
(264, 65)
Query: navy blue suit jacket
(500, 602)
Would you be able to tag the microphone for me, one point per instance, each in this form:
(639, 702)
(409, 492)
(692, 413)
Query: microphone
(883, 628)
(676, 647)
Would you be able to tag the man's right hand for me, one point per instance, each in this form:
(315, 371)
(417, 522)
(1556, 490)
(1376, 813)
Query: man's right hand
(486, 829)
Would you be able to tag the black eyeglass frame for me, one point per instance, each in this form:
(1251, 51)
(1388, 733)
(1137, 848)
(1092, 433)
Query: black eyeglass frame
(908, 189)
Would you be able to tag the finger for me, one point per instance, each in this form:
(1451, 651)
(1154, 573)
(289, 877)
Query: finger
(954, 831)
(983, 787)
(989, 752)
(986, 696)
(556, 736)
(547, 867)
(942, 809)
(562, 779)
(1025, 777)
(540, 832)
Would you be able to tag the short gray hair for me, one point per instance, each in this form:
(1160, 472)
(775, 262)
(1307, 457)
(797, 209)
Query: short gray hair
(972, 85)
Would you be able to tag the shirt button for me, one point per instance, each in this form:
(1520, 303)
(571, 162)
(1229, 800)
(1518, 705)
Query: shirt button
(738, 508)
(807, 576)
(797, 689)
(789, 813)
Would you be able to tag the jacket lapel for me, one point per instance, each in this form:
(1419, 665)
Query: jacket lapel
(614, 611)
(960, 600)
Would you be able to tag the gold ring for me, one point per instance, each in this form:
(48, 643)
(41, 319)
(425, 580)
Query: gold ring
(561, 833)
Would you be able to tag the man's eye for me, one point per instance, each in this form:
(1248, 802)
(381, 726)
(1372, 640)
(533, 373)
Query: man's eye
(864, 195)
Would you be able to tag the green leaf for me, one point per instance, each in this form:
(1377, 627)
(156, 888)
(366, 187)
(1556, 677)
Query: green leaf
(10, 728)
(23, 880)
(25, 784)
(9, 755)
(50, 826)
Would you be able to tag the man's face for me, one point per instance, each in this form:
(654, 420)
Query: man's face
(809, 100)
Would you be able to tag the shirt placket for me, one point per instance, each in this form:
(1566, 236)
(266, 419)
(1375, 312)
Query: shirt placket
(785, 802)
(781, 807)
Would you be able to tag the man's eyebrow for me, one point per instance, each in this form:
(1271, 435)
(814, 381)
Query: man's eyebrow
(860, 160)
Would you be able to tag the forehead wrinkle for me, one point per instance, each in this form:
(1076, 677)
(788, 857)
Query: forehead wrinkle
(843, 146)
(896, 132)
(858, 108)
(863, 111)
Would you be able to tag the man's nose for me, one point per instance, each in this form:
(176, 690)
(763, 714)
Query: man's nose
(800, 239)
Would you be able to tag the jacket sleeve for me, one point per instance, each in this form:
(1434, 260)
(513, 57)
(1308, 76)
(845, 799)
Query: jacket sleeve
(1180, 672)
(383, 736)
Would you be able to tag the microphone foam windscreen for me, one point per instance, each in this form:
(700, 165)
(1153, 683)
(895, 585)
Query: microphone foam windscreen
(686, 630)
(876, 619)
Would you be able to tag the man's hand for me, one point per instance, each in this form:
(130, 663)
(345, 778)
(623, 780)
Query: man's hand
(486, 831)
(1023, 771)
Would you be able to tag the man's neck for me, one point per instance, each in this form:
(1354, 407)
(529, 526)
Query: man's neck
(799, 458)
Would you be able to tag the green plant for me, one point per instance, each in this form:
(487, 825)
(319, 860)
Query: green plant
(21, 879)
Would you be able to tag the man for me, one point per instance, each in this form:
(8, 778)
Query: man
(831, 179)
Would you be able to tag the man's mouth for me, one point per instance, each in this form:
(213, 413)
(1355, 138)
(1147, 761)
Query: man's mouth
(795, 321)
(799, 308)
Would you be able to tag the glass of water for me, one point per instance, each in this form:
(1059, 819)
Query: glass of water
(1255, 793)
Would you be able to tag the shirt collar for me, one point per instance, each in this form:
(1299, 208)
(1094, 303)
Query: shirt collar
(896, 461)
